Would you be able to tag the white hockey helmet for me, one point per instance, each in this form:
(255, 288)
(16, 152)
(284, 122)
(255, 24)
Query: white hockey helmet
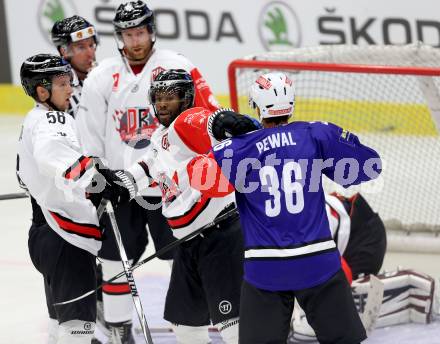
(273, 94)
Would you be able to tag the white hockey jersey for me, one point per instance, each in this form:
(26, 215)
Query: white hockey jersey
(115, 120)
(339, 220)
(52, 168)
(185, 208)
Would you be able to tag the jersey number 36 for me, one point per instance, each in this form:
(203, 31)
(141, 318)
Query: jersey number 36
(269, 178)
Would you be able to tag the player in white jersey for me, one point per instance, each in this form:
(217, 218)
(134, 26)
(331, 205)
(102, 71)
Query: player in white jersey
(207, 270)
(65, 235)
(76, 41)
(115, 122)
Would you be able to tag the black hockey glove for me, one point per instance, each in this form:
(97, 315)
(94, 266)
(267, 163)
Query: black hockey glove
(225, 123)
(115, 185)
(120, 186)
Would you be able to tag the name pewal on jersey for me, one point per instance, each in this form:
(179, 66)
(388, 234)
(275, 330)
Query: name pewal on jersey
(278, 175)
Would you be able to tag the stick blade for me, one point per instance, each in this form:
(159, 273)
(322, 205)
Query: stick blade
(374, 302)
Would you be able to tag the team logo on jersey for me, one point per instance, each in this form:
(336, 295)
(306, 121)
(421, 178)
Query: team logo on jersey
(225, 307)
(169, 187)
(165, 142)
(279, 27)
(346, 137)
(135, 126)
(155, 72)
(197, 119)
(51, 11)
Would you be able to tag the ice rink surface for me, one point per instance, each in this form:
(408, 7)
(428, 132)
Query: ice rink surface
(22, 303)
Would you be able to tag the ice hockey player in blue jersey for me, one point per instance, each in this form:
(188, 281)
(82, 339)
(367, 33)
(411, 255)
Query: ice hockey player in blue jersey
(289, 251)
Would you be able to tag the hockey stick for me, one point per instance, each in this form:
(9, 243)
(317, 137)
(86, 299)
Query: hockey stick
(129, 274)
(158, 253)
(13, 196)
(374, 302)
(165, 329)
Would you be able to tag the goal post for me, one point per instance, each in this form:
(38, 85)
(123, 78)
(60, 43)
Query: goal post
(390, 97)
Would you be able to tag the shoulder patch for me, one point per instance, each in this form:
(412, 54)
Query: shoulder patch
(346, 137)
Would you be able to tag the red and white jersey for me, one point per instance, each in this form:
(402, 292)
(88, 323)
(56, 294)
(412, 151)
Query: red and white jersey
(115, 120)
(185, 208)
(54, 171)
(339, 220)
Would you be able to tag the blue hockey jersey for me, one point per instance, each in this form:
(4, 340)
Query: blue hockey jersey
(277, 174)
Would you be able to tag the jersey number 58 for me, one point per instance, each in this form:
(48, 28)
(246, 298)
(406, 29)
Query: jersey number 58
(269, 177)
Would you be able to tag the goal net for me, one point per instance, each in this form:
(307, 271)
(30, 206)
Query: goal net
(389, 96)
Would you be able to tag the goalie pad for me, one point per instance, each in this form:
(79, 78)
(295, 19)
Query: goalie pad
(408, 297)
(301, 331)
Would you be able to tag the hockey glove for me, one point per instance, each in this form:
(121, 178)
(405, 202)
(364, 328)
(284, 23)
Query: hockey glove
(225, 123)
(120, 186)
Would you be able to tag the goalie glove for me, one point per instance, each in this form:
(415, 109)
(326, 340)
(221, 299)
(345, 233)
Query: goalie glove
(225, 123)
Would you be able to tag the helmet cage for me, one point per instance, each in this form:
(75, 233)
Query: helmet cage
(173, 81)
(184, 90)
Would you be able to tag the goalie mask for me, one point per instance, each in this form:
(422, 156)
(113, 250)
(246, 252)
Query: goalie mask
(171, 93)
(273, 94)
(72, 29)
(39, 70)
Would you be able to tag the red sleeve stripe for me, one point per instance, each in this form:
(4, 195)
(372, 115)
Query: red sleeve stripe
(187, 218)
(116, 288)
(145, 168)
(81, 229)
(78, 168)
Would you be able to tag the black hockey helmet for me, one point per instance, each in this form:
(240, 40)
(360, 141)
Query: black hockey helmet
(174, 81)
(39, 70)
(72, 29)
(134, 14)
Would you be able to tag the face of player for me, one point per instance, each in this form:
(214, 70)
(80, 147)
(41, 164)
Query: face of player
(168, 106)
(137, 44)
(82, 56)
(61, 91)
